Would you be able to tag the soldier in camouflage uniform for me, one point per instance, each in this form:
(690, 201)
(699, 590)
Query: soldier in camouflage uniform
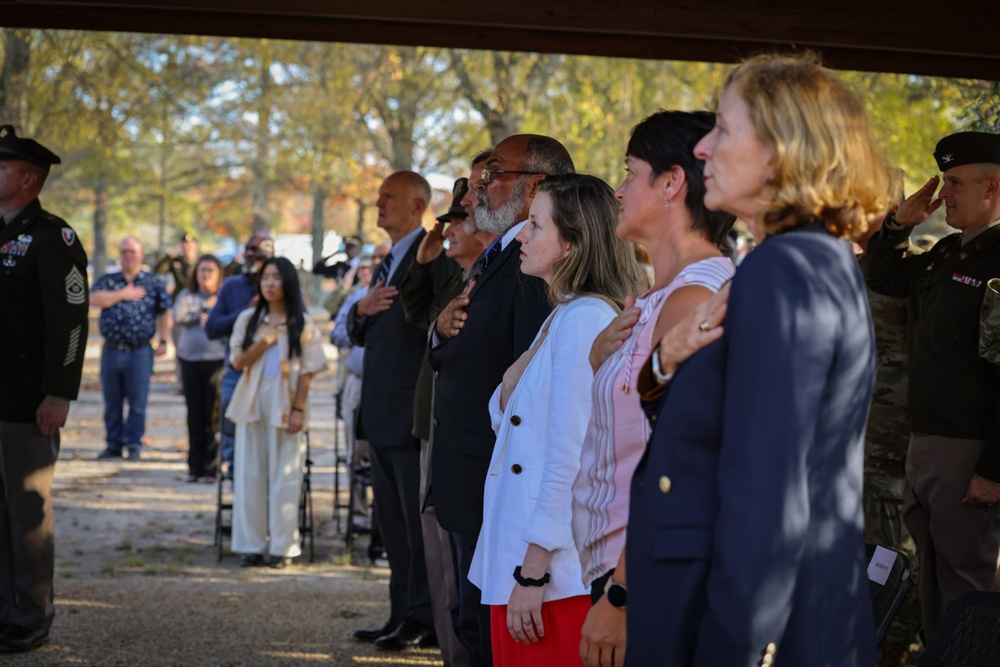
(886, 441)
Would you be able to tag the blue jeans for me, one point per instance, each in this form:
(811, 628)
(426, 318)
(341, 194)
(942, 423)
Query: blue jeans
(125, 377)
(227, 429)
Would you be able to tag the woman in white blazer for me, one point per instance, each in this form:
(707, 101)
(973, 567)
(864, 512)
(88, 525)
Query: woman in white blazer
(525, 562)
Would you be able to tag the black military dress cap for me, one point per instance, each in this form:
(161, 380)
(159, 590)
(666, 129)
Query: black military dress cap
(457, 211)
(967, 148)
(13, 147)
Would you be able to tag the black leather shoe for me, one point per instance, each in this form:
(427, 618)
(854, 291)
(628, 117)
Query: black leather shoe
(371, 634)
(109, 454)
(408, 635)
(16, 639)
(251, 560)
(279, 562)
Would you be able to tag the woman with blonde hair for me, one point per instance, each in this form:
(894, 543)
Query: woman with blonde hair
(745, 539)
(525, 562)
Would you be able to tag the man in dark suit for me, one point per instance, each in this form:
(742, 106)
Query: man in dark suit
(393, 352)
(953, 462)
(476, 338)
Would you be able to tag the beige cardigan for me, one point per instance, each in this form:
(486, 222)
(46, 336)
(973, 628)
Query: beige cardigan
(244, 407)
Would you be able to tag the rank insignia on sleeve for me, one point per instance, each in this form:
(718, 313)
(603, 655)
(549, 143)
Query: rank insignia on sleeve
(966, 280)
(68, 235)
(75, 287)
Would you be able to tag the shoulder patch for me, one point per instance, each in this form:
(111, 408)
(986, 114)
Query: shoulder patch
(68, 235)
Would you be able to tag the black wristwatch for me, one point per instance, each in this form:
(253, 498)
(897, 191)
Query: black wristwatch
(616, 593)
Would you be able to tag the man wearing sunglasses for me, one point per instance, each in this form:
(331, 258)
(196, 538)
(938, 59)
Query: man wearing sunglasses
(476, 338)
(237, 293)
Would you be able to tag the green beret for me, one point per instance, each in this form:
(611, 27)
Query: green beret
(13, 147)
(967, 148)
(457, 211)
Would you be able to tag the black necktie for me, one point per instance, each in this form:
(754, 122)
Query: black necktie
(383, 270)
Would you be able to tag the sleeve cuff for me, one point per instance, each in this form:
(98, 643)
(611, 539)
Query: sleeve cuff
(548, 533)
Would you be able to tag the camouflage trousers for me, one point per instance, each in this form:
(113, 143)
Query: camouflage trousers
(883, 504)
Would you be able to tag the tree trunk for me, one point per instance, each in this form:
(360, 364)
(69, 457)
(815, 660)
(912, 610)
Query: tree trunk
(318, 229)
(360, 232)
(100, 254)
(14, 77)
(260, 203)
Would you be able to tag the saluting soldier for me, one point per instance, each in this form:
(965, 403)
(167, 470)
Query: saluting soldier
(43, 335)
(953, 460)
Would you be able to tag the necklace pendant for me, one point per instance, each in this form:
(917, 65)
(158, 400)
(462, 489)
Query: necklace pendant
(625, 387)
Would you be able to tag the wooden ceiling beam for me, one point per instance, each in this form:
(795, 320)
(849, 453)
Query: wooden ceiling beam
(848, 33)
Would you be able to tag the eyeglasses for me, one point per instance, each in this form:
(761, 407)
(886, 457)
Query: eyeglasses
(488, 174)
(253, 248)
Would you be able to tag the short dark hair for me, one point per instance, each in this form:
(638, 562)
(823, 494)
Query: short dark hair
(667, 139)
(548, 156)
(481, 156)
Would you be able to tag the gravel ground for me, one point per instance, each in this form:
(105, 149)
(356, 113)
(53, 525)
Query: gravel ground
(137, 577)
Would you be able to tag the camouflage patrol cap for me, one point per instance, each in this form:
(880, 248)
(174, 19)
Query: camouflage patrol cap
(457, 211)
(13, 147)
(967, 148)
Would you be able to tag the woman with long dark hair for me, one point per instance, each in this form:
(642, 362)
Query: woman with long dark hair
(279, 348)
(200, 359)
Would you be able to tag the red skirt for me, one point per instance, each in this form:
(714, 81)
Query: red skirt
(563, 621)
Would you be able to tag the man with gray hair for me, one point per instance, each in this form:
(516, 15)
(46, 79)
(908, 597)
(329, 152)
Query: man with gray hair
(476, 338)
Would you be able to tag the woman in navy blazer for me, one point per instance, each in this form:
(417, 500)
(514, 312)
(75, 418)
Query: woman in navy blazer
(745, 542)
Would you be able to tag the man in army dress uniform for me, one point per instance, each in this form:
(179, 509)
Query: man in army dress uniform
(43, 335)
(953, 461)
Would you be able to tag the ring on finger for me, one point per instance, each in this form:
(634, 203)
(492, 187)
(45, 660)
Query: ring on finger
(704, 326)
(527, 622)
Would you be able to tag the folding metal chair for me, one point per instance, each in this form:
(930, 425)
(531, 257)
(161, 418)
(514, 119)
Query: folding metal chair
(888, 575)
(969, 634)
(306, 518)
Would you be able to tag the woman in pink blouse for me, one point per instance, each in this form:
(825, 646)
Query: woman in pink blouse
(661, 209)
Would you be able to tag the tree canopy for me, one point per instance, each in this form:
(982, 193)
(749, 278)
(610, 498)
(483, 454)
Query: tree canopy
(162, 134)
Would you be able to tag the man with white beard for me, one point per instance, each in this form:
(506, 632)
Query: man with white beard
(477, 337)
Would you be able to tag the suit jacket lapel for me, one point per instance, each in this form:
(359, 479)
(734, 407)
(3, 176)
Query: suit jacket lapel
(512, 249)
(404, 261)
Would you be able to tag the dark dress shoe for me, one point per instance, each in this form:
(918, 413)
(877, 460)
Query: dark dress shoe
(16, 639)
(109, 454)
(279, 562)
(251, 560)
(369, 635)
(408, 635)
